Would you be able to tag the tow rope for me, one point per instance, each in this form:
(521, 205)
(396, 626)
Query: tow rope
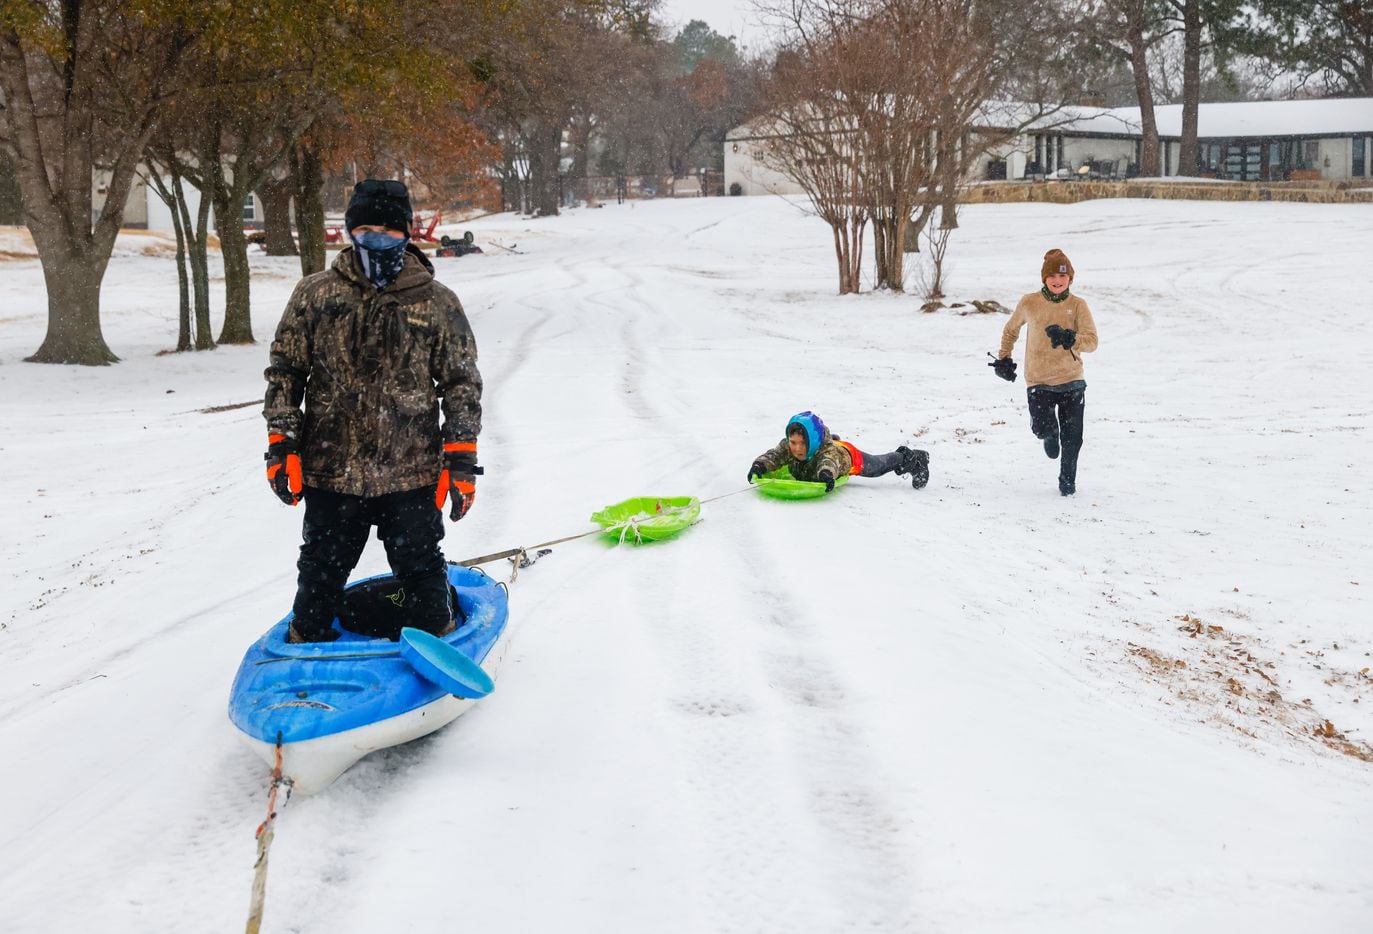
(265, 833)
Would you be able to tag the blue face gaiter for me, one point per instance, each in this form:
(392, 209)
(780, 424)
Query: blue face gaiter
(382, 255)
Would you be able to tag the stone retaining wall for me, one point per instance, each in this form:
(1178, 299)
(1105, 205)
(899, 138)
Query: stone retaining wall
(1071, 192)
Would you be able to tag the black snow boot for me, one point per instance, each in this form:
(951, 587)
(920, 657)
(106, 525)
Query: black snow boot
(915, 463)
(1051, 446)
(307, 633)
(1066, 487)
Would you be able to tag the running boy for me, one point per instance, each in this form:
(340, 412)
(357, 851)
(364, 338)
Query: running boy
(1060, 328)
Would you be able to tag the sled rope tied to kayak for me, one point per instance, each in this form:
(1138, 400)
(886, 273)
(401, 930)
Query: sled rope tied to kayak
(265, 833)
(523, 556)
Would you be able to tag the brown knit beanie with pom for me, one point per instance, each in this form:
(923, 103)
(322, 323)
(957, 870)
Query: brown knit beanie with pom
(1055, 263)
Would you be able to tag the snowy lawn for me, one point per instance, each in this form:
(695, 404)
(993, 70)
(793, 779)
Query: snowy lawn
(977, 707)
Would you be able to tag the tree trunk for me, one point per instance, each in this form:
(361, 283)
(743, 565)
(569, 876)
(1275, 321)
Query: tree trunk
(857, 225)
(841, 256)
(74, 335)
(183, 285)
(168, 196)
(1191, 86)
(307, 183)
(581, 146)
(848, 252)
(889, 241)
(543, 170)
(1144, 91)
(913, 231)
(879, 251)
(11, 201)
(276, 210)
(233, 246)
(948, 214)
(896, 264)
(200, 260)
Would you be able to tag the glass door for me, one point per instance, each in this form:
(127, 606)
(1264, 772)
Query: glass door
(1244, 161)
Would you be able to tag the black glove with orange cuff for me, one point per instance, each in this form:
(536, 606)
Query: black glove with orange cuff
(283, 468)
(459, 477)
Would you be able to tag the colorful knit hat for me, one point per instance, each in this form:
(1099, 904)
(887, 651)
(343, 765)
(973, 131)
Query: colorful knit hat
(1056, 263)
(810, 423)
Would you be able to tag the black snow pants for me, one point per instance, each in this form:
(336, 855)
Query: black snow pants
(1059, 413)
(875, 465)
(336, 529)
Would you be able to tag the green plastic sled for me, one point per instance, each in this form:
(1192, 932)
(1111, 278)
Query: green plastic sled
(648, 518)
(781, 485)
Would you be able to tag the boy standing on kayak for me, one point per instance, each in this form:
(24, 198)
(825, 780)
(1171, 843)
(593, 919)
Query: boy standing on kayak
(811, 453)
(373, 348)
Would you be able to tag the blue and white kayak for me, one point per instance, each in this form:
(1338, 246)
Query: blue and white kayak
(331, 703)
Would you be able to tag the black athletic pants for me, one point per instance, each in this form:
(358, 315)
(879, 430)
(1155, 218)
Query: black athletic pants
(1060, 413)
(336, 529)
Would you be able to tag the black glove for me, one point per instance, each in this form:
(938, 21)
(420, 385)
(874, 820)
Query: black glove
(827, 479)
(1005, 368)
(1061, 337)
(755, 470)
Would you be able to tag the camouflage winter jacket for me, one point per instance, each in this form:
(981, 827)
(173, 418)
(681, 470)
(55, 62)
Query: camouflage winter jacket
(372, 369)
(830, 456)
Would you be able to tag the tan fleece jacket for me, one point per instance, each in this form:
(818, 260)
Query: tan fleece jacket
(1045, 364)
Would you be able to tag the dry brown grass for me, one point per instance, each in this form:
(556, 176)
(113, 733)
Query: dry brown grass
(1226, 676)
(19, 243)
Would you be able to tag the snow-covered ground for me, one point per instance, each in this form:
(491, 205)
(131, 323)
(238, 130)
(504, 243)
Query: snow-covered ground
(977, 707)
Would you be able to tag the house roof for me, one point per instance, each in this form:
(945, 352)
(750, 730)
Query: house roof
(1335, 117)
(1267, 118)
(1068, 119)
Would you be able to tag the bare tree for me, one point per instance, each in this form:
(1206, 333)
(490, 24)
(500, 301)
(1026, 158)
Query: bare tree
(932, 278)
(909, 93)
(813, 134)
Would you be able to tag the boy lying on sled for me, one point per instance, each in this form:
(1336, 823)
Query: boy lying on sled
(811, 453)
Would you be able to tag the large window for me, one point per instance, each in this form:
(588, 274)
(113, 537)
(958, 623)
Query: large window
(1283, 157)
(1311, 154)
(249, 208)
(1359, 149)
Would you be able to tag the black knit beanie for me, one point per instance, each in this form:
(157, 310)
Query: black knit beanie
(382, 202)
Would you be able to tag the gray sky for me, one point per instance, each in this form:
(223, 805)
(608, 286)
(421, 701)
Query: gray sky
(727, 17)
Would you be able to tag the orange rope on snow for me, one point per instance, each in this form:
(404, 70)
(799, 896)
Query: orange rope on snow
(265, 832)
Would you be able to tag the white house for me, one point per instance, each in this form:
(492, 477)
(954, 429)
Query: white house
(748, 171)
(144, 209)
(1245, 141)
